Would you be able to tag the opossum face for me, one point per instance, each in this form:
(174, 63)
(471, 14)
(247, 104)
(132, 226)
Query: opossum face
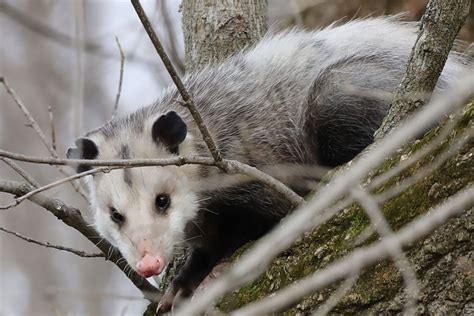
(142, 211)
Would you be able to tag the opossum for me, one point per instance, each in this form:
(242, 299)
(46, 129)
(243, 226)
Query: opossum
(295, 98)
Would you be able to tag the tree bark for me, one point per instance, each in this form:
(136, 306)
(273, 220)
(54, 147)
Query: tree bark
(216, 29)
(443, 262)
(439, 27)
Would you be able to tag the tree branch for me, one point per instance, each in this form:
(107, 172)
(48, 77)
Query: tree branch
(372, 209)
(439, 27)
(364, 257)
(20, 171)
(48, 245)
(39, 132)
(119, 89)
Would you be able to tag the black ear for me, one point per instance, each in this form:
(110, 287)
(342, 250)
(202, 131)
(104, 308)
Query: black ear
(86, 149)
(169, 130)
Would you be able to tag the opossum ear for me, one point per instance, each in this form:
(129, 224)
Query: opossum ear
(170, 130)
(86, 149)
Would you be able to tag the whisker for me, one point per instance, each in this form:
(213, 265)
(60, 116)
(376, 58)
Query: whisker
(199, 227)
(208, 210)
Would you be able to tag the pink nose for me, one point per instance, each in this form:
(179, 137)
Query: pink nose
(150, 265)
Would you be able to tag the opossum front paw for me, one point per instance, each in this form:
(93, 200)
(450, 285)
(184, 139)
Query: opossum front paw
(172, 297)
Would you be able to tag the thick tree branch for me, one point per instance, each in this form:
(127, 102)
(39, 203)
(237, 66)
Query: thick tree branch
(258, 257)
(364, 257)
(439, 27)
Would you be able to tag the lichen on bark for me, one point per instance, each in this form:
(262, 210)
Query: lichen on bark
(443, 261)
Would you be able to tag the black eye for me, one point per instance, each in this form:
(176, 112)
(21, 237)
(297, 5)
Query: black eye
(162, 202)
(116, 216)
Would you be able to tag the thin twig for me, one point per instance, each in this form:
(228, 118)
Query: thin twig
(119, 89)
(171, 36)
(39, 132)
(427, 169)
(49, 245)
(22, 198)
(22, 172)
(363, 257)
(188, 101)
(378, 221)
(419, 154)
(53, 129)
(337, 296)
(31, 121)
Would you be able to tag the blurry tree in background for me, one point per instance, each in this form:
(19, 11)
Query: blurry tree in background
(318, 13)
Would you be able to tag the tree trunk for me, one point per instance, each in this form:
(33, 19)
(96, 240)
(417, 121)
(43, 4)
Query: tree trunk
(216, 29)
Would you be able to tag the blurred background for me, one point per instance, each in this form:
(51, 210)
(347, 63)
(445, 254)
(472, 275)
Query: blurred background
(63, 54)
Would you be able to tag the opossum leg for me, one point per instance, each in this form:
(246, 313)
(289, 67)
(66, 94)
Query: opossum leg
(198, 265)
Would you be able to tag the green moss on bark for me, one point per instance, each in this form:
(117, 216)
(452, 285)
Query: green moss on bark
(379, 289)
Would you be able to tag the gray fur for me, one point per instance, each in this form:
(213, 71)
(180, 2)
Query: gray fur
(257, 104)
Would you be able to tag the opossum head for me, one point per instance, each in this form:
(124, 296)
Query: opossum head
(142, 211)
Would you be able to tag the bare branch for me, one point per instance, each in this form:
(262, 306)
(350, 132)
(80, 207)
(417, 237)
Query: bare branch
(364, 257)
(188, 101)
(27, 196)
(405, 163)
(39, 132)
(171, 37)
(119, 89)
(378, 221)
(23, 173)
(31, 121)
(48, 245)
(337, 296)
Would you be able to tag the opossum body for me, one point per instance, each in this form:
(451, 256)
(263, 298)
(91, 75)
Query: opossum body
(297, 97)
